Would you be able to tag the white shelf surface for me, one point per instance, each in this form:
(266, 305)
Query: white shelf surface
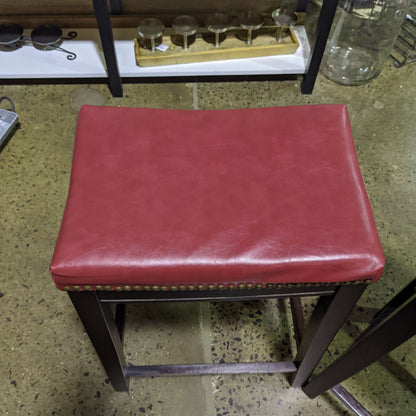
(29, 62)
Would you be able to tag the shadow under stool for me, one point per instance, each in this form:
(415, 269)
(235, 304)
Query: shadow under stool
(392, 325)
(221, 205)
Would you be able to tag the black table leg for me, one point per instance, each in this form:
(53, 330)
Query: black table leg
(327, 318)
(102, 15)
(324, 26)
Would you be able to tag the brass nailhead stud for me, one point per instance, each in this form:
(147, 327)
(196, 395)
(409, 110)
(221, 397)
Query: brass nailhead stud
(173, 288)
(137, 288)
(108, 288)
(249, 285)
(191, 287)
(201, 287)
(76, 288)
(147, 288)
(164, 288)
(259, 286)
(98, 287)
(367, 281)
(67, 288)
(211, 287)
(231, 287)
(127, 288)
(241, 286)
(155, 288)
(221, 287)
(269, 286)
(119, 289)
(87, 287)
(182, 287)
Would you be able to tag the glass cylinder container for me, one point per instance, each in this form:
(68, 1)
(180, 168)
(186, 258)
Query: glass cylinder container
(361, 39)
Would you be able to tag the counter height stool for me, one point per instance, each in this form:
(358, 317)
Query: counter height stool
(177, 205)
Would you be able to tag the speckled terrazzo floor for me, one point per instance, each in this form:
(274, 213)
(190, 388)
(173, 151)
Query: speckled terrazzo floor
(47, 364)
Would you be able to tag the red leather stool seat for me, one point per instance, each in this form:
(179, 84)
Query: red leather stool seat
(175, 199)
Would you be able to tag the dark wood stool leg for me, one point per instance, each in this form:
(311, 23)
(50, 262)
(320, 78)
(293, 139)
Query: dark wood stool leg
(327, 318)
(395, 329)
(120, 317)
(298, 319)
(101, 327)
(403, 296)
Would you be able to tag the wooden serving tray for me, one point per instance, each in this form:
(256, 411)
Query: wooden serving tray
(202, 49)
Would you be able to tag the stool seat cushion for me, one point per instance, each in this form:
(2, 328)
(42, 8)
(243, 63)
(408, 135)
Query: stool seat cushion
(177, 198)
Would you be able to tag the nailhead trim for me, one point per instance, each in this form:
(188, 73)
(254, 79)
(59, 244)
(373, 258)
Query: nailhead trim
(220, 286)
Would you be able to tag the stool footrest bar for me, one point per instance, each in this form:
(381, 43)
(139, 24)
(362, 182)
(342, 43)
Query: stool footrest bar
(198, 369)
(349, 401)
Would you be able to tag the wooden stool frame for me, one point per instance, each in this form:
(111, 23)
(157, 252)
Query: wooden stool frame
(105, 328)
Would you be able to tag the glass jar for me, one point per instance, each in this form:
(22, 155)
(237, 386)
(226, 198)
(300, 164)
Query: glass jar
(362, 37)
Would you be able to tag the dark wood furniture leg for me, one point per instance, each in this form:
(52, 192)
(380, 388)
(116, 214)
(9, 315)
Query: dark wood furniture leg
(101, 327)
(327, 318)
(395, 328)
(102, 15)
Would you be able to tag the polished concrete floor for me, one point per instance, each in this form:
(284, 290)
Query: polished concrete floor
(47, 364)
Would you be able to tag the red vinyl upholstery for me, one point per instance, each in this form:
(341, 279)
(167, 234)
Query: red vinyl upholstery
(177, 199)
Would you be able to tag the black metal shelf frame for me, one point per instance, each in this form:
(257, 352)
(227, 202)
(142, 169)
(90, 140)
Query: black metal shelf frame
(103, 12)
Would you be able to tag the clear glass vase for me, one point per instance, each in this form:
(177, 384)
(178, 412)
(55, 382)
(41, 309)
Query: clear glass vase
(361, 39)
